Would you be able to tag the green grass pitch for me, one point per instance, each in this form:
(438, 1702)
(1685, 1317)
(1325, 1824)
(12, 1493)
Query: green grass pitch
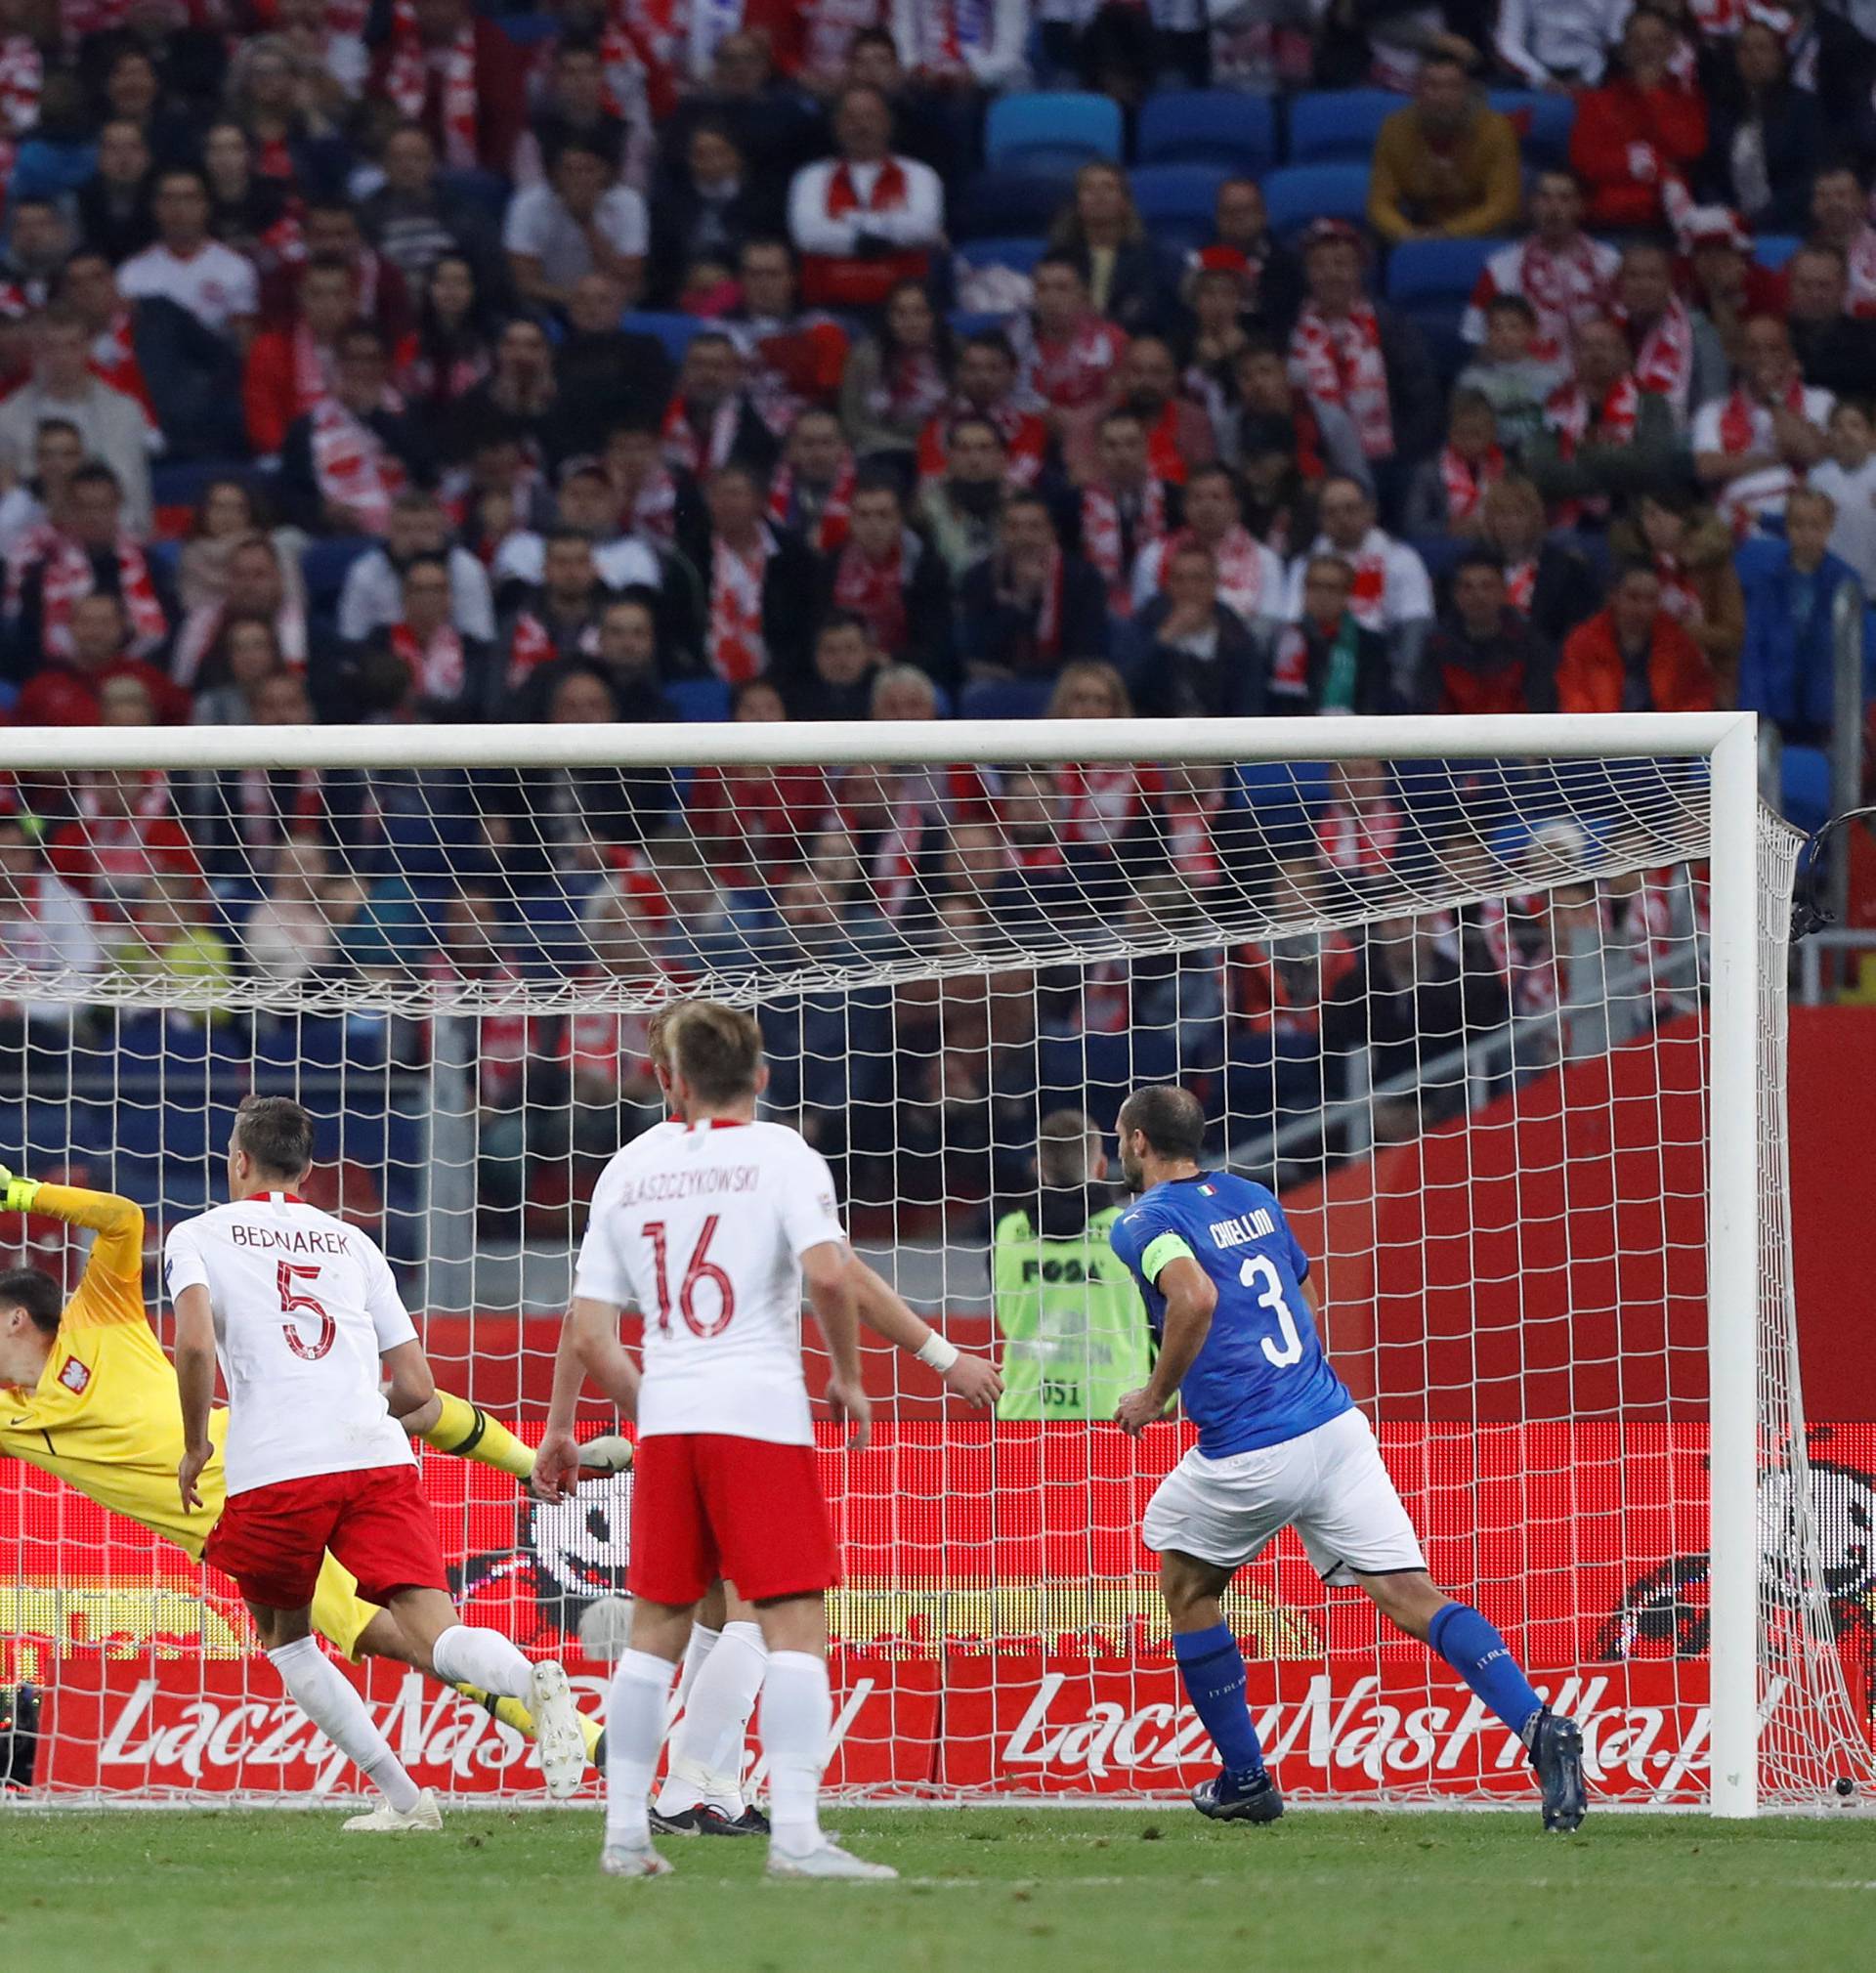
(983, 1890)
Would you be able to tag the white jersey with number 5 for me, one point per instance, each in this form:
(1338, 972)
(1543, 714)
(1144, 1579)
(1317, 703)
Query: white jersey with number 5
(703, 1231)
(303, 1307)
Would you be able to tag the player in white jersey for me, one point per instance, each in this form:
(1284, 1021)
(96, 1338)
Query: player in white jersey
(710, 1231)
(299, 1308)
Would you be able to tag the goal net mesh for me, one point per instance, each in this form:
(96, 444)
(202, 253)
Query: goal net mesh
(1452, 1012)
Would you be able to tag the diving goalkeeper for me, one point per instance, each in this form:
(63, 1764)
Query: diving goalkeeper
(87, 1394)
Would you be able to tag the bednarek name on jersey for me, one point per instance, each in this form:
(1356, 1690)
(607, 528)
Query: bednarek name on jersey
(1262, 1376)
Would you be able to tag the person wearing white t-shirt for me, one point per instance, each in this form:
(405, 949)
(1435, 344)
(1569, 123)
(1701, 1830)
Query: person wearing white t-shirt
(710, 1232)
(1751, 446)
(215, 283)
(864, 220)
(1393, 594)
(1849, 477)
(578, 223)
(300, 1310)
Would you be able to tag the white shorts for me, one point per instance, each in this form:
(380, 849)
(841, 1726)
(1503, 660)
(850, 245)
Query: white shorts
(1329, 1484)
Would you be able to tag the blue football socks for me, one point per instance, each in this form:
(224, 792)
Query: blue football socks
(1480, 1656)
(1211, 1669)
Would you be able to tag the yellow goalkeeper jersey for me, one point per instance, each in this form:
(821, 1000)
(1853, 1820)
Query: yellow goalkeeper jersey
(106, 1416)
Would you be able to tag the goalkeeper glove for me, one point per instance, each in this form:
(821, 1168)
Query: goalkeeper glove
(16, 1194)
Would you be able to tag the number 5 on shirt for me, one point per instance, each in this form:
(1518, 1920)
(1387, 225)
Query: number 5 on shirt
(291, 1299)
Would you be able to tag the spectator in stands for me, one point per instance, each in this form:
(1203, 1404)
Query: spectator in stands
(578, 222)
(331, 228)
(1448, 492)
(1764, 133)
(574, 108)
(864, 220)
(606, 372)
(759, 584)
(1836, 349)
(1068, 354)
(112, 426)
(112, 205)
(346, 462)
(812, 491)
(1028, 606)
(58, 451)
(1389, 592)
(954, 47)
(243, 656)
(87, 548)
(1190, 655)
(94, 650)
(1546, 579)
(416, 525)
(1691, 551)
(520, 396)
(628, 655)
(45, 933)
(1101, 230)
(134, 91)
(185, 265)
(1609, 439)
(1447, 166)
(1179, 435)
(1269, 275)
(1483, 656)
(414, 220)
(653, 500)
(271, 99)
(1752, 446)
(896, 381)
(1513, 380)
(1637, 137)
(1364, 359)
(712, 421)
(289, 935)
(1724, 283)
(1217, 337)
(1327, 660)
(893, 583)
(1833, 54)
(1839, 219)
(1788, 668)
(1633, 657)
(1567, 277)
(291, 369)
(453, 349)
(793, 357)
(559, 616)
(706, 211)
(1849, 478)
(246, 210)
(1274, 412)
(962, 509)
(1124, 509)
(987, 388)
(38, 240)
(260, 581)
(1247, 576)
(845, 666)
(227, 515)
(1677, 355)
(447, 674)
(459, 76)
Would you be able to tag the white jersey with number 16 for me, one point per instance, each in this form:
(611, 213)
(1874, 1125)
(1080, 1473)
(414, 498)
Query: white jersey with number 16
(303, 1307)
(702, 1232)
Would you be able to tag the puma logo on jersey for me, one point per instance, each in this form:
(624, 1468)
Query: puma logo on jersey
(73, 1375)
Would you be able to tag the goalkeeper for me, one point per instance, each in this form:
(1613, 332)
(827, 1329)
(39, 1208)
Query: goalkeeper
(1077, 1331)
(87, 1394)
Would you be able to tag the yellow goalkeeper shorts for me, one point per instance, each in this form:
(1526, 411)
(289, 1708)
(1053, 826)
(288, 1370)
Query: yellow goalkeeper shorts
(339, 1614)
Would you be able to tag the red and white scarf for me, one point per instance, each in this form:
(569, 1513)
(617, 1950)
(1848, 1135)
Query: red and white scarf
(1099, 803)
(1567, 289)
(888, 192)
(1359, 840)
(1244, 573)
(312, 371)
(1103, 540)
(1567, 413)
(1466, 483)
(911, 388)
(1520, 583)
(684, 449)
(736, 647)
(531, 646)
(1860, 261)
(22, 75)
(1048, 613)
(437, 668)
(1680, 598)
(1078, 371)
(353, 465)
(1367, 564)
(654, 507)
(68, 576)
(830, 531)
(1340, 363)
(876, 592)
(1664, 362)
(407, 81)
(1745, 424)
(1190, 827)
(946, 33)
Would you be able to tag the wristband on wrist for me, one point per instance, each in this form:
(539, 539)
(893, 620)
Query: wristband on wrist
(936, 1353)
(20, 1195)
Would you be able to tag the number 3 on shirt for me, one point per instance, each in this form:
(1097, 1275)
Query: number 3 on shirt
(701, 1269)
(1257, 1272)
(291, 1299)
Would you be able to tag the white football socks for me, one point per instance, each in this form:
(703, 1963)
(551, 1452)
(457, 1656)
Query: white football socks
(696, 1655)
(634, 1733)
(466, 1654)
(328, 1697)
(706, 1749)
(797, 1717)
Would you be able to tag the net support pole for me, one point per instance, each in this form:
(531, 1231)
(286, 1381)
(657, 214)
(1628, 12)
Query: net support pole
(1732, 1273)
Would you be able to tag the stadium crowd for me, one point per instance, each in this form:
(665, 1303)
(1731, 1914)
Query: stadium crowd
(773, 359)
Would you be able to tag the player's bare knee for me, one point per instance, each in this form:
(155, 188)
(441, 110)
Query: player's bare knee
(794, 1624)
(384, 1638)
(662, 1630)
(1191, 1590)
(421, 1616)
(1407, 1599)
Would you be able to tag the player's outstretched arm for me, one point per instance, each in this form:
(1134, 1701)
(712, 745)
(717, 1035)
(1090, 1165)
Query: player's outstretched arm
(194, 1385)
(118, 1222)
(974, 1379)
(828, 1273)
(1191, 1297)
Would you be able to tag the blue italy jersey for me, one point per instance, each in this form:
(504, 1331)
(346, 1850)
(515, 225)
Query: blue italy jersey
(1262, 1376)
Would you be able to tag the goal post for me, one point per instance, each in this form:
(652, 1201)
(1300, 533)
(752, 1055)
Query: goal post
(1496, 1005)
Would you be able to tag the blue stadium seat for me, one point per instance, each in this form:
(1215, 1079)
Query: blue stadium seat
(525, 29)
(1330, 126)
(965, 323)
(326, 565)
(1207, 126)
(1178, 201)
(1018, 254)
(1543, 122)
(1302, 192)
(1438, 270)
(1438, 324)
(674, 331)
(1773, 249)
(999, 204)
(184, 483)
(1804, 793)
(488, 191)
(1051, 130)
(998, 699)
(700, 699)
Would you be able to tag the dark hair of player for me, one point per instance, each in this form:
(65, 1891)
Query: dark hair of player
(1061, 1150)
(275, 1133)
(1170, 1118)
(717, 1050)
(37, 1293)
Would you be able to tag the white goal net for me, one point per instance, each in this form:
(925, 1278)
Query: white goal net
(1496, 1006)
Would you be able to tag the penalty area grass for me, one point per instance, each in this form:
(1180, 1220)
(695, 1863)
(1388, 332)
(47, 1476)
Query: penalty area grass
(981, 1890)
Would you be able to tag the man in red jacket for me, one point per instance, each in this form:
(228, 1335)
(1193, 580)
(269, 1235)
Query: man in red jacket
(1639, 135)
(1633, 657)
